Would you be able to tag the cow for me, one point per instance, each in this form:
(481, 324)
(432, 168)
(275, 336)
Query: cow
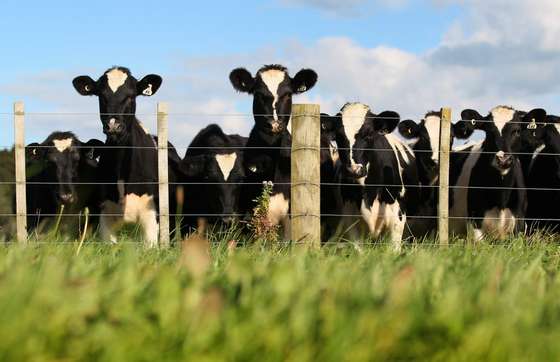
(129, 165)
(66, 176)
(490, 190)
(541, 132)
(331, 198)
(386, 167)
(213, 172)
(424, 138)
(267, 154)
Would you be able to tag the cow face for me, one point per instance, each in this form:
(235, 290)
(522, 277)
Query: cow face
(503, 134)
(272, 89)
(117, 90)
(425, 139)
(361, 127)
(222, 174)
(62, 153)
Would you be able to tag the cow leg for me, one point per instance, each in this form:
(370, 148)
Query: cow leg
(142, 209)
(278, 209)
(478, 235)
(397, 229)
(109, 220)
(148, 220)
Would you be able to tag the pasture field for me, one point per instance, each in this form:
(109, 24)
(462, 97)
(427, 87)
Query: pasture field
(275, 303)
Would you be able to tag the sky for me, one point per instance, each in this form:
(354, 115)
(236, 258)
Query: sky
(410, 56)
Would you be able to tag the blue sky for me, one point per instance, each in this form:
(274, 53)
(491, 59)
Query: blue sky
(381, 52)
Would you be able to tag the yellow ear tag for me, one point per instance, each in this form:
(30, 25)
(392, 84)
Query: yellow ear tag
(532, 124)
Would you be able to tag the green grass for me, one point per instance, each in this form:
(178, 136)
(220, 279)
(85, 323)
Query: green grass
(116, 303)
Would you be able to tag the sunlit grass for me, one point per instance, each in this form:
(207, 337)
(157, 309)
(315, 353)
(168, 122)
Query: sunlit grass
(275, 302)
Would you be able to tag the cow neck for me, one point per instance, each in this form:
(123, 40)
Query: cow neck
(382, 170)
(134, 159)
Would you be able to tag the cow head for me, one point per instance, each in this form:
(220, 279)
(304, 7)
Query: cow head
(502, 127)
(63, 155)
(117, 90)
(360, 127)
(425, 138)
(223, 175)
(272, 89)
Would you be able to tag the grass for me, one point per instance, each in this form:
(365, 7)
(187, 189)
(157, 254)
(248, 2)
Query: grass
(274, 303)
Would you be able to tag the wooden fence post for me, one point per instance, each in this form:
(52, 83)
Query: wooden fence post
(444, 154)
(163, 174)
(306, 179)
(19, 152)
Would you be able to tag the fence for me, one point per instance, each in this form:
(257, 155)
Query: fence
(305, 183)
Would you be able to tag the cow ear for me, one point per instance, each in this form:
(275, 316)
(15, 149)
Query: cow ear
(91, 151)
(472, 116)
(385, 122)
(409, 129)
(535, 118)
(85, 85)
(327, 122)
(304, 80)
(242, 80)
(34, 152)
(462, 129)
(149, 85)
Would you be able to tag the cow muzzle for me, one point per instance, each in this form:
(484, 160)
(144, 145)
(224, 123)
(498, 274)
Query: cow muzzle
(357, 170)
(276, 126)
(66, 198)
(503, 162)
(228, 220)
(113, 127)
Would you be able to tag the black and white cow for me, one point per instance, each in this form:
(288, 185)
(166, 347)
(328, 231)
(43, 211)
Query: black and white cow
(214, 173)
(129, 164)
(490, 191)
(67, 170)
(390, 170)
(543, 178)
(267, 156)
(331, 197)
(424, 138)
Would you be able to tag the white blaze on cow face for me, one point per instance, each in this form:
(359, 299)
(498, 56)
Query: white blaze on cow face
(272, 79)
(353, 117)
(502, 115)
(432, 124)
(63, 144)
(116, 78)
(226, 163)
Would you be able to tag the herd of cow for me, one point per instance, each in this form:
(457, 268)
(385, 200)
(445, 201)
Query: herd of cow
(372, 179)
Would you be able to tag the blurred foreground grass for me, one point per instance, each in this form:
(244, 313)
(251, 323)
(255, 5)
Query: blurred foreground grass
(117, 303)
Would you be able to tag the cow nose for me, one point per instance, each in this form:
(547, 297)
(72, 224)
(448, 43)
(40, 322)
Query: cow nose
(358, 170)
(67, 198)
(113, 126)
(228, 220)
(503, 159)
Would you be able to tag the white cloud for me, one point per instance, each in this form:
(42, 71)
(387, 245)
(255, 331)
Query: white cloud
(500, 52)
(344, 7)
